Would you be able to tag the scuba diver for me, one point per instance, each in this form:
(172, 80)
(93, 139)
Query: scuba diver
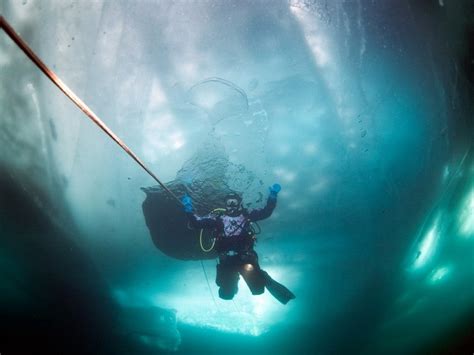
(235, 239)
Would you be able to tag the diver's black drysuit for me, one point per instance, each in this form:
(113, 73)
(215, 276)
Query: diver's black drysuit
(235, 240)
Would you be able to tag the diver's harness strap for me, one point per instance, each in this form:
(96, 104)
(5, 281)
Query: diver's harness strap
(240, 226)
(250, 232)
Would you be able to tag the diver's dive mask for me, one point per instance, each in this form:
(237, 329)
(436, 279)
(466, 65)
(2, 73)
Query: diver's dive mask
(232, 202)
(232, 205)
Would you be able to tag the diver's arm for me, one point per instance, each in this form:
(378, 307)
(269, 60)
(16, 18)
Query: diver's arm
(201, 222)
(194, 220)
(265, 212)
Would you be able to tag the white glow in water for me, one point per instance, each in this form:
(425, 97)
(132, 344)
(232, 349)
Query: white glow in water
(284, 174)
(296, 205)
(245, 314)
(157, 96)
(466, 217)
(445, 172)
(427, 246)
(319, 186)
(310, 149)
(314, 38)
(439, 274)
(283, 149)
(161, 136)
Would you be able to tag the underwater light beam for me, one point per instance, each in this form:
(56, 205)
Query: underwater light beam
(439, 274)
(466, 218)
(74, 98)
(427, 246)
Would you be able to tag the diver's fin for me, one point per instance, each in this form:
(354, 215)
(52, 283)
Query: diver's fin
(277, 290)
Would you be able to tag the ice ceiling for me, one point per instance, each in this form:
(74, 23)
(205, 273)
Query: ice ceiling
(361, 110)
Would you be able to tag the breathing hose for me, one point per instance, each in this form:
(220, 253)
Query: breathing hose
(202, 247)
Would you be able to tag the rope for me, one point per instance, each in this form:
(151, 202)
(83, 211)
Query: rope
(77, 101)
(208, 284)
(237, 309)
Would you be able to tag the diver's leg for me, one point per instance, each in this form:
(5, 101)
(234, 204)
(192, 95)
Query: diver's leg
(251, 272)
(227, 279)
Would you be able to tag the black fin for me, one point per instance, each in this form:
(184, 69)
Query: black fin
(277, 290)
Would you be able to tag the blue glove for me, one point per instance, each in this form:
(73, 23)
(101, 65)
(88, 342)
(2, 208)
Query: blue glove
(274, 190)
(187, 203)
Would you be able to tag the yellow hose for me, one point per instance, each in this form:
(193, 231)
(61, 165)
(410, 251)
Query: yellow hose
(214, 240)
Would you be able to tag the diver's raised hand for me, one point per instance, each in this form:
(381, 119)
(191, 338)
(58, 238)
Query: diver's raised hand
(274, 190)
(187, 203)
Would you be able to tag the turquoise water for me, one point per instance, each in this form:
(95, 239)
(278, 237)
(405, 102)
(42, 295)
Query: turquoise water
(361, 110)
